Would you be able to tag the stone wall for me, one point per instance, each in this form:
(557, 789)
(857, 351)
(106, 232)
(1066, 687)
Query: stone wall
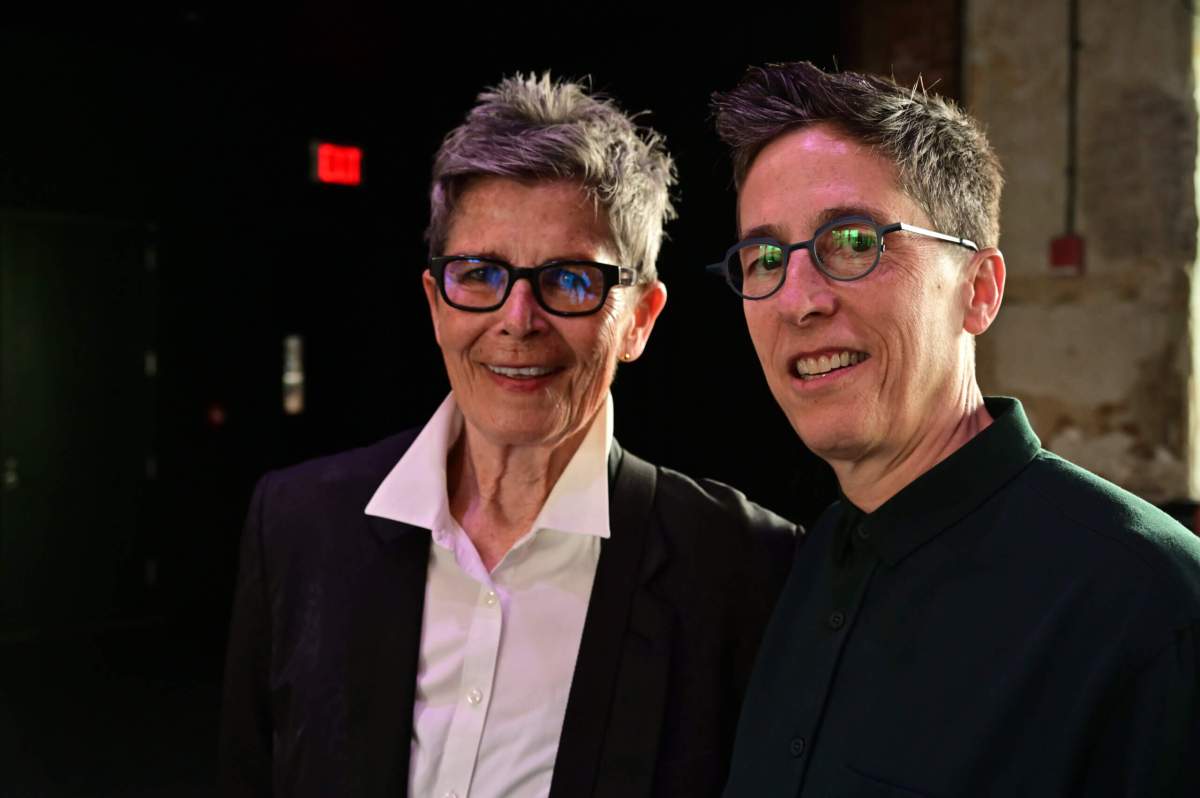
(1103, 361)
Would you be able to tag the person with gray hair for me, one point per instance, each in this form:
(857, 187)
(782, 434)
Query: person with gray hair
(504, 602)
(975, 616)
(533, 129)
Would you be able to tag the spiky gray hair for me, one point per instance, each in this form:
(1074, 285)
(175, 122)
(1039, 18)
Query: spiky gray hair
(943, 159)
(536, 128)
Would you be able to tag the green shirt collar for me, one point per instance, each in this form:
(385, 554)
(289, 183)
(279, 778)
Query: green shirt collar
(948, 492)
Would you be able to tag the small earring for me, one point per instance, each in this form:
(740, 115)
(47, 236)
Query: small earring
(626, 357)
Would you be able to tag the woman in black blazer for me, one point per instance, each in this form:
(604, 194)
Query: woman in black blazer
(504, 603)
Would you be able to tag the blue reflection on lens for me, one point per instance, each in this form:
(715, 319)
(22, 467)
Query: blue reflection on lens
(484, 275)
(575, 285)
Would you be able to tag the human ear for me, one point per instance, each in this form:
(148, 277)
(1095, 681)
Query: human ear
(431, 296)
(984, 290)
(651, 302)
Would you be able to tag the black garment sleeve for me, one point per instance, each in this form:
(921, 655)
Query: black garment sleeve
(1148, 743)
(244, 754)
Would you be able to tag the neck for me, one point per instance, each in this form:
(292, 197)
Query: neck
(872, 480)
(497, 490)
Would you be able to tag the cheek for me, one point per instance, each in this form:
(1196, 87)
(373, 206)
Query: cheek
(614, 328)
(456, 337)
(597, 350)
(762, 328)
(454, 342)
(921, 343)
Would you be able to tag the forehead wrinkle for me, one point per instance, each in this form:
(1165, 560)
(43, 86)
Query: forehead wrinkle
(485, 224)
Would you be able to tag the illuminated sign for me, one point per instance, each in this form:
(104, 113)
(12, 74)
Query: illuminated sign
(336, 163)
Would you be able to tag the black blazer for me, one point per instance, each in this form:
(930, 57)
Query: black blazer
(322, 662)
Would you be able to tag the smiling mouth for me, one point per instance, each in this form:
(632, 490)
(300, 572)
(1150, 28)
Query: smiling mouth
(522, 372)
(808, 368)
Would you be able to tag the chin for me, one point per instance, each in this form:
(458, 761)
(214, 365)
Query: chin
(829, 437)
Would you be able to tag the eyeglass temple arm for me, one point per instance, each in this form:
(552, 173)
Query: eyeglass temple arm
(912, 228)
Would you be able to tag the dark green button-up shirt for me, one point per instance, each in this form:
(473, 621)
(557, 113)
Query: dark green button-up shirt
(1008, 624)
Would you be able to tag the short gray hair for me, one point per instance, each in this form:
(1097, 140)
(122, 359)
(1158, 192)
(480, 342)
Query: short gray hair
(536, 128)
(942, 156)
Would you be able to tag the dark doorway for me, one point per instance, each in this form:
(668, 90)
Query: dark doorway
(77, 413)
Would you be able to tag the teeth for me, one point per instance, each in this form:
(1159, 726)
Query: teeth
(815, 366)
(526, 371)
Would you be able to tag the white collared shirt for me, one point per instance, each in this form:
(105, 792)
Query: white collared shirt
(498, 649)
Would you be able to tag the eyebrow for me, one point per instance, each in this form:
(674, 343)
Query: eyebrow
(763, 231)
(485, 254)
(492, 255)
(829, 214)
(771, 230)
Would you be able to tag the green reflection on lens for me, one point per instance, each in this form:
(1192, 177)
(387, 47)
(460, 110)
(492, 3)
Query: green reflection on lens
(854, 238)
(770, 256)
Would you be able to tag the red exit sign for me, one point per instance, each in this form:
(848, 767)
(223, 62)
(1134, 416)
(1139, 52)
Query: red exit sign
(336, 163)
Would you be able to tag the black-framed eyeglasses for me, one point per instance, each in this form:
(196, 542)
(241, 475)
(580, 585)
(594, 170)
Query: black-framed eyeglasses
(561, 287)
(845, 249)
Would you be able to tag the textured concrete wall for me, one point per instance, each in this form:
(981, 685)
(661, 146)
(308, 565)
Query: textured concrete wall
(1102, 361)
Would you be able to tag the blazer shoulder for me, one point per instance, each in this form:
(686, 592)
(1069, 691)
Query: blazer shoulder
(720, 509)
(347, 478)
(364, 462)
(714, 536)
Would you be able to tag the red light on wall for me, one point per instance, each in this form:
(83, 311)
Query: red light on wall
(335, 163)
(1066, 255)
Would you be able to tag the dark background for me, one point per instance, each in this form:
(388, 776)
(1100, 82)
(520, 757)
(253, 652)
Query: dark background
(160, 235)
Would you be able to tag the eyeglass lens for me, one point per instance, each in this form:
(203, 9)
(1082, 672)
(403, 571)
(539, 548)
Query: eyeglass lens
(567, 288)
(843, 251)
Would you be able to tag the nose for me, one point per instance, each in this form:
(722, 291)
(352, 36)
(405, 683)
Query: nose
(807, 294)
(520, 314)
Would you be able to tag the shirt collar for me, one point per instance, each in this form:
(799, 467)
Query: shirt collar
(414, 491)
(948, 492)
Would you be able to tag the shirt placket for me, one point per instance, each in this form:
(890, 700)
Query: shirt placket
(849, 583)
(475, 695)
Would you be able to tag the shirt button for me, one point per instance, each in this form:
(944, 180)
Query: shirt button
(837, 619)
(797, 746)
(863, 533)
(474, 696)
(491, 598)
(451, 794)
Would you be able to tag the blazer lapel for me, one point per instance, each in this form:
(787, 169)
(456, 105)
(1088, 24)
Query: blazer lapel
(614, 713)
(381, 667)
